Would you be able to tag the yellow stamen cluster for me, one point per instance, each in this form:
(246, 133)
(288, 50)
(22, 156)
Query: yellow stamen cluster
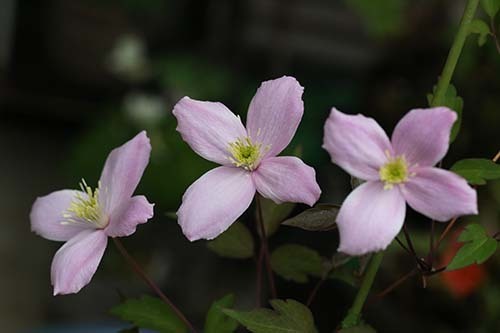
(394, 172)
(85, 206)
(245, 153)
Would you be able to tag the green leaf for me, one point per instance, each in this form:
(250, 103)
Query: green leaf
(295, 262)
(273, 214)
(478, 247)
(319, 218)
(480, 27)
(454, 102)
(476, 170)
(150, 312)
(217, 321)
(491, 7)
(358, 329)
(288, 317)
(236, 242)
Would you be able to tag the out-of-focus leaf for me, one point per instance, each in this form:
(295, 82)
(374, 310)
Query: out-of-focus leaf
(130, 330)
(478, 247)
(273, 214)
(491, 7)
(287, 317)
(217, 321)
(480, 27)
(455, 103)
(381, 18)
(319, 218)
(150, 312)
(236, 242)
(191, 76)
(295, 262)
(476, 170)
(358, 329)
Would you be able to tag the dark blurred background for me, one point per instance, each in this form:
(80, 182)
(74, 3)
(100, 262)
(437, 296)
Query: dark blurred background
(78, 78)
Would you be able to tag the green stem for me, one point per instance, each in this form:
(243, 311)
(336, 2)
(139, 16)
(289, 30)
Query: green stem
(353, 317)
(455, 51)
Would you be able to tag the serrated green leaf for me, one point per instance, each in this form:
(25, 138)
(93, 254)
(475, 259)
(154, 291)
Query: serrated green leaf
(319, 218)
(491, 7)
(479, 27)
(150, 312)
(358, 329)
(455, 103)
(295, 262)
(478, 247)
(476, 170)
(273, 214)
(217, 321)
(287, 317)
(236, 242)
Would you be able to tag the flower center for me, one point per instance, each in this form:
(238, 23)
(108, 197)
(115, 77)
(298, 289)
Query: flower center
(85, 206)
(245, 153)
(394, 172)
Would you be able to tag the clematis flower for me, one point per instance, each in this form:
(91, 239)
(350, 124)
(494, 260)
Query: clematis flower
(248, 157)
(85, 219)
(396, 171)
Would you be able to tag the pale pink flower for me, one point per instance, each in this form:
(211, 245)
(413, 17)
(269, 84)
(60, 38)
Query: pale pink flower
(85, 219)
(248, 157)
(397, 172)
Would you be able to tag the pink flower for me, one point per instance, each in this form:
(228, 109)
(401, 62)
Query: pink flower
(85, 219)
(397, 172)
(248, 157)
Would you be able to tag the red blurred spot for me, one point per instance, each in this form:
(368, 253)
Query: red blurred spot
(461, 282)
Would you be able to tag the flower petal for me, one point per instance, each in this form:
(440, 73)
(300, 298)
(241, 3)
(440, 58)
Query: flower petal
(274, 114)
(356, 143)
(208, 128)
(287, 179)
(370, 218)
(123, 171)
(77, 260)
(440, 194)
(213, 202)
(47, 218)
(423, 135)
(125, 219)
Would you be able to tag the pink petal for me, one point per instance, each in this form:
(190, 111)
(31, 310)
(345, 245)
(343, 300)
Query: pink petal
(77, 260)
(287, 179)
(208, 128)
(47, 218)
(370, 218)
(124, 221)
(423, 135)
(440, 194)
(356, 143)
(213, 202)
(123, 171)
(274, 114)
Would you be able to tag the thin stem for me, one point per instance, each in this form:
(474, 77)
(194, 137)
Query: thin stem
(446, 231)
(140, 272)
(353, 317)
(395, 284)
(265, 248)
(454, 54)
(259, 277)
(313, 293)
(493, 32)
